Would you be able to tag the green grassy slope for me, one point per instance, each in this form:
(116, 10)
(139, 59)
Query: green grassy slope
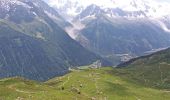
(85, 84)
(152, 70)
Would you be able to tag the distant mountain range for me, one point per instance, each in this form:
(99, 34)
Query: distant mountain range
(114, 8)
(113, 31)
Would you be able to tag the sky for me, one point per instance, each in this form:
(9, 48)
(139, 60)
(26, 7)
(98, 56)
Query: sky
(49, 1)
(162, 6)
(163, 1)
(109, 3)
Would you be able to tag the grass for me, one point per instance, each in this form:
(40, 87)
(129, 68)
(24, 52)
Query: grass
(154, 76)
(85, 84)
(151, 70)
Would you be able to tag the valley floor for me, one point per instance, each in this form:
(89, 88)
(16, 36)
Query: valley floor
(84, 84)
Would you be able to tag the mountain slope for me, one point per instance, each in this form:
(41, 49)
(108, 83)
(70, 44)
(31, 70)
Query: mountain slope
(108, 36)
(83, 84)
(8, 5)
(103, 27)
(152, 70)
(123, 36)
(33, 44)
(25, 56)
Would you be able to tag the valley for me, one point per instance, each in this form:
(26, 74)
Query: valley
(142, 78)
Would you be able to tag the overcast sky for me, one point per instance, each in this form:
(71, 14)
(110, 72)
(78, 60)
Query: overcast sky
(85, 2)
(163, 0)
(148, 0)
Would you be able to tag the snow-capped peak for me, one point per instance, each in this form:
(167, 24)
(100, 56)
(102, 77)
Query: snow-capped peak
(5, 4)
(151, 8)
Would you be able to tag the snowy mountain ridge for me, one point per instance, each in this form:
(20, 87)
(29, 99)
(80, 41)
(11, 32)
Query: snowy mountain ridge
(75, 7)
(5, 4)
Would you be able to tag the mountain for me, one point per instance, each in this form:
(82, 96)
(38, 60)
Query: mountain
(84, 84)
(103, 27)
(6, 5)
(94, 10)
(135, 8)
(68, 8)
(151, 70)
(33, 44)
(114, 36)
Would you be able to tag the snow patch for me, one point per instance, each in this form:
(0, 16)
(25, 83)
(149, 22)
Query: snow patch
(162, 25)
(52, 16)
(73, 31)
(151, 8)
(40, 36)
(5, 4)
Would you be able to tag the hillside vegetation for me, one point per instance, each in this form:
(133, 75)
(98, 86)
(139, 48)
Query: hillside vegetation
(85, 84)
(152, 70)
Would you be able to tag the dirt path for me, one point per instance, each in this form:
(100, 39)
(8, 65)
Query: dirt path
(68, 79)
(166, 91)
(18, 90)
(98, 88)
